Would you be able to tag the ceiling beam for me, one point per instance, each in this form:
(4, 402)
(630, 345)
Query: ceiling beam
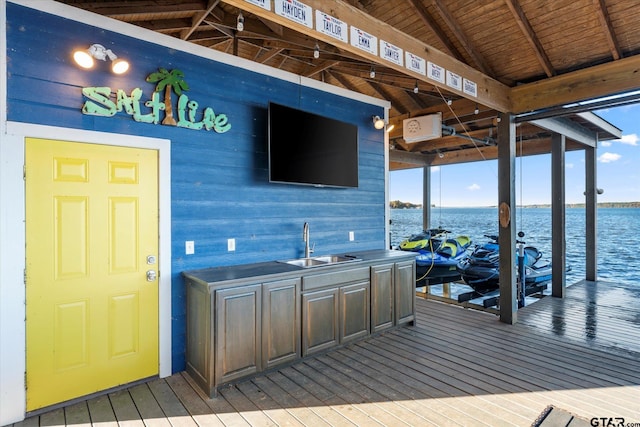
(198, 18)
(319, 67)
(438, 32)
(268, 55)
(607, 27)
(530, 35)
(385, 94)
(462, 38)
(569, 129)
(602, 80)
(491, 92)
(404, 160)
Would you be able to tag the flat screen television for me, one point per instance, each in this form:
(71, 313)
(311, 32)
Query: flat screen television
(309, 149)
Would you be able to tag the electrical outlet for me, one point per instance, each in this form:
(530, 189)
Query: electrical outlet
(231, 245)
(351, 236)
(189, 247)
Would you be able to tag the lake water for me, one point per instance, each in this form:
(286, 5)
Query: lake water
(618, 235)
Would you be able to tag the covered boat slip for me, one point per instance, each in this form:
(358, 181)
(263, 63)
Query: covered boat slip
(580, 354)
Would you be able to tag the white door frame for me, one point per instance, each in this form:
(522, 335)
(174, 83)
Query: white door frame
(12, 251)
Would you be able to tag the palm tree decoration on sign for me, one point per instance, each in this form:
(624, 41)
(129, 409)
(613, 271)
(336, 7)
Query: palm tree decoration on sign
(168, 80)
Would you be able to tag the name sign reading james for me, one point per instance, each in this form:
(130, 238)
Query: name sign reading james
(101, 103)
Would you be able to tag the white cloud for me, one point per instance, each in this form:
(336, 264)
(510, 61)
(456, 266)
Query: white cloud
(605, 143)
(631, 139)
(435, 169)
(569, 166)
(608, 157)
(473, 187)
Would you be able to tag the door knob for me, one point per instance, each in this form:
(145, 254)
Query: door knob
(151, 276)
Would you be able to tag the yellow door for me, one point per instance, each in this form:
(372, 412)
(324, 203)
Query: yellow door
(92, 238)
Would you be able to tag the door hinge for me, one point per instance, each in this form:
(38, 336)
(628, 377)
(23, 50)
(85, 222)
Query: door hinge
(25, 276)
(24, 172)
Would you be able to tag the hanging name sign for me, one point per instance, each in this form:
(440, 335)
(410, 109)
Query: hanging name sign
(415, 63)
(295, 11)
(454, 80)
(265, 4)
(469, 87)
(435, 72)
(390, 52)
(364, 41)
(101, 101)
(333, 27)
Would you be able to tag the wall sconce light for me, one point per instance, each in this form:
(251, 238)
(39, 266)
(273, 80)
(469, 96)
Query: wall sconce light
(416, 89)
(84, 58)
(316, 51)
(240, 22)
(372, 72)
(378, 123)
(477, 110)
(449, 101)
(440, 154)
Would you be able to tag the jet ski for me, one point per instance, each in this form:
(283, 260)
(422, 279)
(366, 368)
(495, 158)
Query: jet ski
(438, 255)
(481, 269)
(424, 240)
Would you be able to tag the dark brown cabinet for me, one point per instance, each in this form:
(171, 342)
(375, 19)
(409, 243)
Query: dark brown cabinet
(237, 328)
(382, 297)
(405, 292)
(280, 322)
(238, 333)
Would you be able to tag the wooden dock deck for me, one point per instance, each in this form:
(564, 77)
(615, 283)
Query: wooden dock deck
(454, 367)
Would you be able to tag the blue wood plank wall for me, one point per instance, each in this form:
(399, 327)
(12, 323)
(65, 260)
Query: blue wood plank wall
(220, 187)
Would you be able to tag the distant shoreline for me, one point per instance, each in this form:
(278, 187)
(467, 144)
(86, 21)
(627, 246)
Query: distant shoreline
(397, 204)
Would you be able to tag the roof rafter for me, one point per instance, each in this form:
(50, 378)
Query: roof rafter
(462, 38)
(530, 35)
(435, 29)
(197, 19)
(607, 27)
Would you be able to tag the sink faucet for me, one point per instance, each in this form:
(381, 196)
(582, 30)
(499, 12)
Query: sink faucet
(305, 237)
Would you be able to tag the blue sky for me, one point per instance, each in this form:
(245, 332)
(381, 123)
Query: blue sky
(476, 184)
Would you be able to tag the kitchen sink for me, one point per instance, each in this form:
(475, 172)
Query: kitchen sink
(305, 262)
(320, 260)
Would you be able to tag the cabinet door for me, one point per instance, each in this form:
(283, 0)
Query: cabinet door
(354, 311)
(319, 320)
(200, 336)
(405, 283)
(280, 322)
(238, 333)
(382, 296)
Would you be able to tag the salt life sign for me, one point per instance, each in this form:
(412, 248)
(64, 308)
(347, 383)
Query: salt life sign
(295, 11)
(390, 52)
(333, 27)
(100, 102)
(364, 41)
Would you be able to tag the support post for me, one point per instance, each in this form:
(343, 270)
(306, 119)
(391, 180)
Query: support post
(506, 213)
(558, 225)
(426, 197)
(591, 212)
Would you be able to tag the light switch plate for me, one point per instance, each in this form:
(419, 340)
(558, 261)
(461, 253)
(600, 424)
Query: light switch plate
(351, 236)
(189, 247)
(231, 245)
